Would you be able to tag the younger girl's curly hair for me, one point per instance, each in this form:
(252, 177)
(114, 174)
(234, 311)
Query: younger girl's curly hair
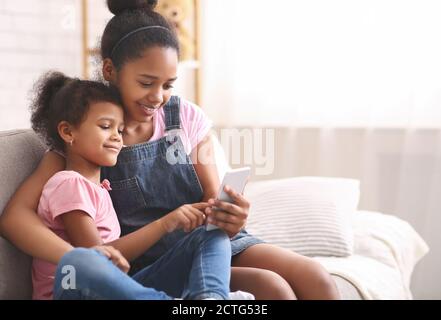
(60, 98)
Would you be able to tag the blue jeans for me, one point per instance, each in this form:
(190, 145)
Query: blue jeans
(197, 267)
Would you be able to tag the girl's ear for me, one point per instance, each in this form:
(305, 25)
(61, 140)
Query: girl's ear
(65, 130)
(109, 70)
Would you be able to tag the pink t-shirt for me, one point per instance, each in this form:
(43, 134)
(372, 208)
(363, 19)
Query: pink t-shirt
(194, 123)
(64, 192)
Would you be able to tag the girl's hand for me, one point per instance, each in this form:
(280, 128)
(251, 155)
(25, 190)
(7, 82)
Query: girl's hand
(187, 217)
(114, 255)
(231, 217)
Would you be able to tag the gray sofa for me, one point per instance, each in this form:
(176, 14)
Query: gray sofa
(21, 151)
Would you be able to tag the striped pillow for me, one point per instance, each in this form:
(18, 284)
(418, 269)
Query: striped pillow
(309, 215)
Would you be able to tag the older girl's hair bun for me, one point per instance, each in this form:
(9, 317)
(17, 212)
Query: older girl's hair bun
(119, 6)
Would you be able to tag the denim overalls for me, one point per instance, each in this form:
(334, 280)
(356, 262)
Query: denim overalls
(154, 178)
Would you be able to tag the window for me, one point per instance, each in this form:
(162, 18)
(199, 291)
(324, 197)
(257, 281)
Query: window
(322, 63)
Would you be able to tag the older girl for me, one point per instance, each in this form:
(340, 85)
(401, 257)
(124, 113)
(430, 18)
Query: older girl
(159, 170)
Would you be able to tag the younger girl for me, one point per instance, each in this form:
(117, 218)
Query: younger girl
(83, 121)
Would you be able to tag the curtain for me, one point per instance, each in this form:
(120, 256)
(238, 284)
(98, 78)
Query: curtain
(322, 63)
(345, 88)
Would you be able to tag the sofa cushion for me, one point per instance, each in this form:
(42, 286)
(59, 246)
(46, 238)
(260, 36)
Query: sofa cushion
(309, 215)
(21, 151)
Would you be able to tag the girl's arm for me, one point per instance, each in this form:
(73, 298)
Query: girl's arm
(204, 163)
(82, 231)
(20, 223)
(234, 216)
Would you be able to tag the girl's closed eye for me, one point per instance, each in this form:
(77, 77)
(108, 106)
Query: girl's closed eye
(168, 86)
(145, 85)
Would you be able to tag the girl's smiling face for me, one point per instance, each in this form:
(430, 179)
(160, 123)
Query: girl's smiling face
(145, 83)
(98, 139)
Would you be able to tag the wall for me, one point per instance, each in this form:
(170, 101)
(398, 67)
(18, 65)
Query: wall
(34, 37)
(37, 36)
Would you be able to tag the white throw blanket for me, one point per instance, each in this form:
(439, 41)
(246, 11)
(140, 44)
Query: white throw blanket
(386, 252)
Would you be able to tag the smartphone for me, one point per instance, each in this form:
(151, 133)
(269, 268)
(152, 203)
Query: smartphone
(236, 179)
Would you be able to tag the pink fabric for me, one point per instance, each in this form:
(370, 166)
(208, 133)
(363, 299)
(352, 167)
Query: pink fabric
(64, 192)
(194, 123)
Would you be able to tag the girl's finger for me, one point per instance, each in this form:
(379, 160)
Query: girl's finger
(222, 216)
(199, 216)
(237, 197)
(185, 220)
(200, 205)
(103, 250)
(118, 259)
(228, 228)
(194, 215)
(124, 265)
(228, 207)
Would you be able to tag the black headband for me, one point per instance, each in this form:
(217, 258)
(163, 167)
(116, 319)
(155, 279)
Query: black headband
(133, 32)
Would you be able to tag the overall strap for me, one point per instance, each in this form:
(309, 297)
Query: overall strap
(172, 116)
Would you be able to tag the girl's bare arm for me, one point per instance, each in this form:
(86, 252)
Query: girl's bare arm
(20, 223)
(82, 232)
(204, 163)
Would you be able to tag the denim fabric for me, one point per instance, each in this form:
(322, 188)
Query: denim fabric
(198, 259)
(198, 267)
(154, 178)
(86, 274)
(243, 240)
